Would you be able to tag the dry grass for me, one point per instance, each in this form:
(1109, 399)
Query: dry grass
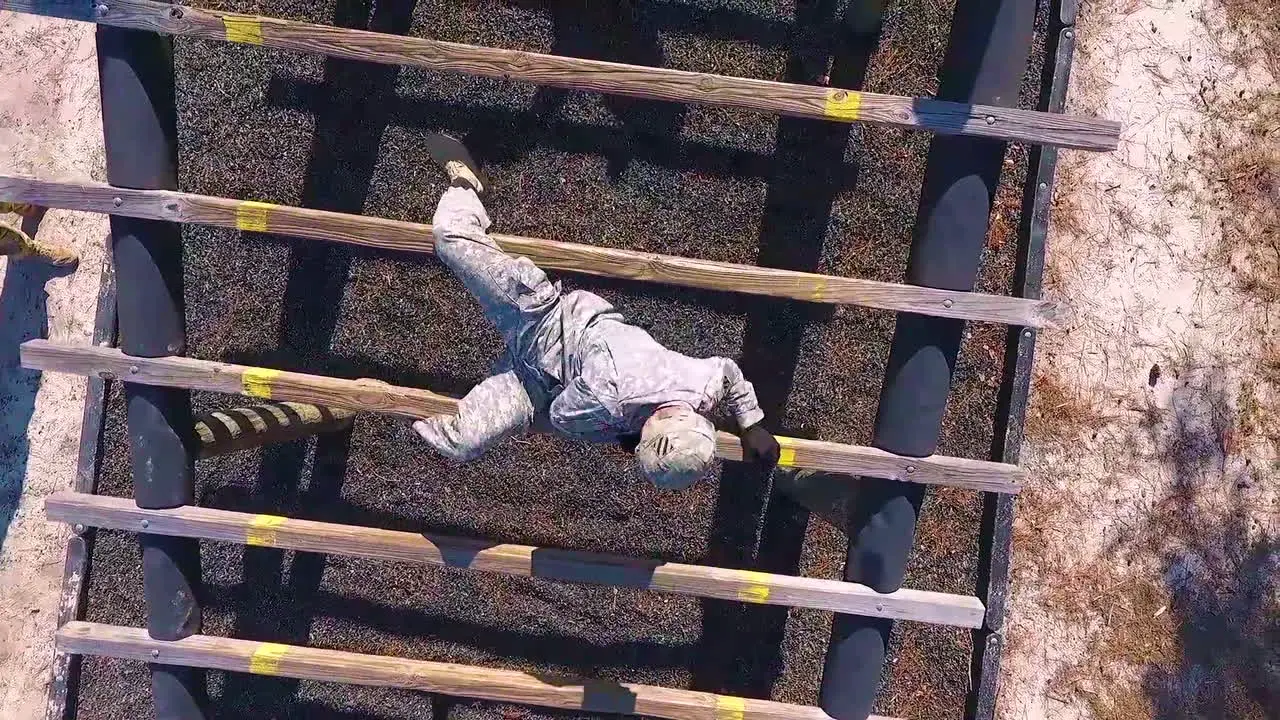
(1131, 613)
(1177, 609)
(1237, 159)
(1153, 537)
(1067, 211)
(1255, 25)
(1238, 162)
(1260, 404)
(1061, 414)
(1006, 208)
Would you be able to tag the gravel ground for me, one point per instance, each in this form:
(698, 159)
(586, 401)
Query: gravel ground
(696, 181)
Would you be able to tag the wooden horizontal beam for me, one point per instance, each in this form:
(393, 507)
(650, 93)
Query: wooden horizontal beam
(596, 75)
(544, 689)
(549, 254)
(510, 559)
(377, 396)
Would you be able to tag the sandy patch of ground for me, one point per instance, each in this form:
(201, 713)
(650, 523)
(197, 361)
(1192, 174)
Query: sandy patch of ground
(1146, 548)
(50, 125)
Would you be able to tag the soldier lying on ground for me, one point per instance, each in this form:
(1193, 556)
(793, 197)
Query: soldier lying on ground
(573, 360)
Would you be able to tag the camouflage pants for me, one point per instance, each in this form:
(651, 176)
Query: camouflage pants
(515, 294)
(13, 242)
(523, 305)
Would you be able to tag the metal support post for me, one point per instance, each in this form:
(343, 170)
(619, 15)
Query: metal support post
(985, 62)
(139, 128)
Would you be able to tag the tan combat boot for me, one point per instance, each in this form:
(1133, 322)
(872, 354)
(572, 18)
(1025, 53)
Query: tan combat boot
(23, 209)
(17, 244)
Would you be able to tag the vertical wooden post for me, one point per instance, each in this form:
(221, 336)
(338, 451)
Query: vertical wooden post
(139, 128)
(985, 62)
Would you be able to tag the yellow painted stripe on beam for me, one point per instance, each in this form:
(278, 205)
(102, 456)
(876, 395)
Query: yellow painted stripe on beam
(843, 105)
(730, 708)
(262, 530)
(758, 589)
(787, 454)
(256, 382)
(243, 29)
(266, 659)
(253, 216)
(819, 290)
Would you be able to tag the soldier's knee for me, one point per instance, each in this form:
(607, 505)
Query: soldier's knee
(459, 453)
(450, 437)
(446, 242)
(455, 246)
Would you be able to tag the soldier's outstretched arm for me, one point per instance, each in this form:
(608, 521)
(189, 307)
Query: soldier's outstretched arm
(759, 447)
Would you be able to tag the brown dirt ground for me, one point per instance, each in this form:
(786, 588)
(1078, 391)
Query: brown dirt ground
(1147, 552)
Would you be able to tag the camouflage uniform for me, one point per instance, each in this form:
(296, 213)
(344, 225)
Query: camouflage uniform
(571, 358)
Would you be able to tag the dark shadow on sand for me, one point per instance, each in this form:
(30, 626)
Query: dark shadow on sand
(23, 316)
(1221, 567)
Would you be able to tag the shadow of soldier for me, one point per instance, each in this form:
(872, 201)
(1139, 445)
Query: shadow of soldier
(23, 316)
(1221, 566)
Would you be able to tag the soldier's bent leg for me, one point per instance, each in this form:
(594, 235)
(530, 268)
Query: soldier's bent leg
(23, 209)
(513, 292)
(496, 409)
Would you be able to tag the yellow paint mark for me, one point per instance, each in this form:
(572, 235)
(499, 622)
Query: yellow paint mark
(256, 382)
(819, 289)
(243, 29)
(262, 530)
(843, 105)
(730, 708)
(252, 216)
(266, 659)
(757, 591)
(787, 455)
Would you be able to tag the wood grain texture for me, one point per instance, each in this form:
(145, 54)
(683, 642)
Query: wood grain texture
(549, 254)
(544, 689)
(511, 559)
(64, 676)
(65, 667)
(607, 77)
(182, 372)
(376, 396)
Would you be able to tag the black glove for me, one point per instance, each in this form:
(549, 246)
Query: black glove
(629, 442)
(759, 447)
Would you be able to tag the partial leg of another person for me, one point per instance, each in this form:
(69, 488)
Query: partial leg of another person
(17, 243)
(515, 296)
